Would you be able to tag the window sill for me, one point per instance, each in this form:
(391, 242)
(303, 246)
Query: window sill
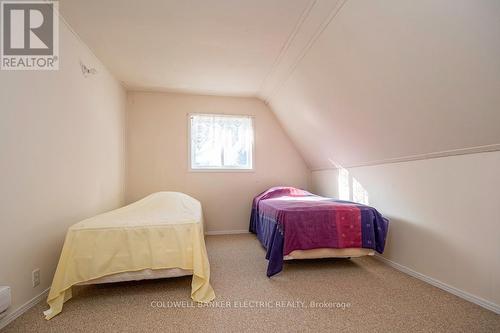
(221, 170)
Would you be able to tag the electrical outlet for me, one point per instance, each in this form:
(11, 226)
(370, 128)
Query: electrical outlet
(35, 277)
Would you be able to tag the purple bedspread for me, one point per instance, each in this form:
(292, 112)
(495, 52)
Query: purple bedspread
(286, 219)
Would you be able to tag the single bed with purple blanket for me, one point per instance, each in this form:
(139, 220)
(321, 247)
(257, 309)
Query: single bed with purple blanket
(286, 219)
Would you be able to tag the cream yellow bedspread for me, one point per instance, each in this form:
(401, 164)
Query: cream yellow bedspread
(161, 231)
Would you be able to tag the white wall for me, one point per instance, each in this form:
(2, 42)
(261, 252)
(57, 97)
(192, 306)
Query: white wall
(157, 146)
(61, 160)
(444, 216)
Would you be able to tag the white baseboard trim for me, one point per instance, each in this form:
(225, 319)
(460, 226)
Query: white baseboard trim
(226, 232)
(23, 308)
(441, 285)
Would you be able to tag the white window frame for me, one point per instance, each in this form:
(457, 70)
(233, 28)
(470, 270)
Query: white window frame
(220, 169)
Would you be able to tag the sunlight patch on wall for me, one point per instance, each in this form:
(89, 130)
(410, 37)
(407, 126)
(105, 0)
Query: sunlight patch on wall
(344, 188)
(357, 194)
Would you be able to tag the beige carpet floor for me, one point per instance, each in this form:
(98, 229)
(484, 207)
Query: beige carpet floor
(381, 299)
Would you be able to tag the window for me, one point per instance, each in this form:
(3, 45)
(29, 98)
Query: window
(221, 142)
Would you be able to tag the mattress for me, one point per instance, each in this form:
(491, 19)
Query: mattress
(159, 235)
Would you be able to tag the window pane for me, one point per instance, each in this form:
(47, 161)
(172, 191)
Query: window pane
(221, 142)
(237, 143)
(206, 139)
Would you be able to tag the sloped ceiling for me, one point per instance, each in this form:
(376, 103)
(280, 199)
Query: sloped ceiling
(353, 82)
(393, 79)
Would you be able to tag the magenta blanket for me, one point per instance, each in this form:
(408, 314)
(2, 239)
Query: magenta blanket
(287, 219)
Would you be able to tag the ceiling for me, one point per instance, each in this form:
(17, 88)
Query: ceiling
(222, 47)
(353, 82)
